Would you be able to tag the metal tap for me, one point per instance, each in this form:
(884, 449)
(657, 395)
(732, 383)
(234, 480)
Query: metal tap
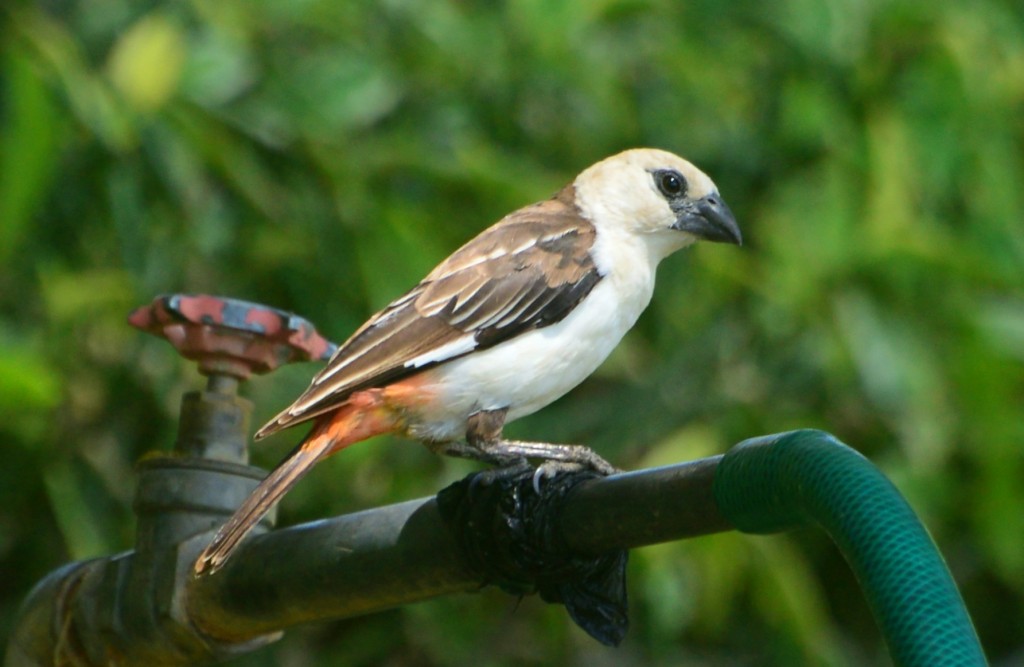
(128, 608)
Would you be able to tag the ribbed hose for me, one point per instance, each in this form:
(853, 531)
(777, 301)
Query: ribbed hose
(778, 482)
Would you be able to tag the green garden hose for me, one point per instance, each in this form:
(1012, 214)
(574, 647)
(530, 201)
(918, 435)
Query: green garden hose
(779, 482)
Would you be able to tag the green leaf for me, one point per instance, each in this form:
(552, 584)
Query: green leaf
(29, 149)
(146, 62)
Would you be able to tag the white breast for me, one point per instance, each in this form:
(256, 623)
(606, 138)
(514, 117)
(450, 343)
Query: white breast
(531, 370)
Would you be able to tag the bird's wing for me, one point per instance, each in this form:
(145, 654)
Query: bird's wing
(527, 271)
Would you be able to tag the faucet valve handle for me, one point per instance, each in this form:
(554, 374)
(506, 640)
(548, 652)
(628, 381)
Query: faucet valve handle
(229, 336)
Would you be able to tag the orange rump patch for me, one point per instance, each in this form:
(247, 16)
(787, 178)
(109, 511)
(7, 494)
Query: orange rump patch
(373, 412)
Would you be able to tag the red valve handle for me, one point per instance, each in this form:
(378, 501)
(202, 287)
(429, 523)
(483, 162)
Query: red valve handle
(229, 336)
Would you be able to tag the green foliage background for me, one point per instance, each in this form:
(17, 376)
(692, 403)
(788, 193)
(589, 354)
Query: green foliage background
(321, 156)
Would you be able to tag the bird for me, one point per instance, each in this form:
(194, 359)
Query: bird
(508, 323)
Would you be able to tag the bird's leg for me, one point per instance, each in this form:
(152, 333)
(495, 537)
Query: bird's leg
(480, 429)
(483, 433)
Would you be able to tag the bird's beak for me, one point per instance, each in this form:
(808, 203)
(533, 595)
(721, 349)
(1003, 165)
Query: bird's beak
(710, 219)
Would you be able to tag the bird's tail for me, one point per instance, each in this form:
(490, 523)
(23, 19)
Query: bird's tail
(363, 415)
(358, 420)
(259, 502)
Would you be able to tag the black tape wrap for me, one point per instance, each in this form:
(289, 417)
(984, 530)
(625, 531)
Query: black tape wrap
(509, 535)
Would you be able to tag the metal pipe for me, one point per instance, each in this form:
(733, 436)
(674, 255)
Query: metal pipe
(390, 556)
(635, 509)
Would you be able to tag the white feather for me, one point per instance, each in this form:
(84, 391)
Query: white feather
(446, 351)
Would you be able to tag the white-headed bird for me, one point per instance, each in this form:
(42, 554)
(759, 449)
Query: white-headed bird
(508, 323)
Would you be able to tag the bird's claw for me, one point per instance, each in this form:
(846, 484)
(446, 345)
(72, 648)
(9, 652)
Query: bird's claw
(551, 467)
(508, 470)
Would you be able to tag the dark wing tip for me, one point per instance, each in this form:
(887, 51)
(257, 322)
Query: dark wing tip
(215, 554)
(270, 428)
(206, 564)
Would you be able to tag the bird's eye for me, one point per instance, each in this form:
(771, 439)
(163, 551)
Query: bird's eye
(671, 183)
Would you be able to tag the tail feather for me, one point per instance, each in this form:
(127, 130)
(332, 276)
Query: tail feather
(300, 461)
(363, 415)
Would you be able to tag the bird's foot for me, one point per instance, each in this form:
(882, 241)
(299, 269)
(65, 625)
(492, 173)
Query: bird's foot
(557, 458)
(484, 443)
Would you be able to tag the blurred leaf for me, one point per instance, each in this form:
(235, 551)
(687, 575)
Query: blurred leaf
(1002, 322)
(219, 67)
(93, 104)
(70, 503)
(891, 213)
(146, 62)
(28, 149)
(901, 376)
(29, 391)
(72, 296)
(788, 596)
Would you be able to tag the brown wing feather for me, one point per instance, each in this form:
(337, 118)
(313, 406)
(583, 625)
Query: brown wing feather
(527, 271)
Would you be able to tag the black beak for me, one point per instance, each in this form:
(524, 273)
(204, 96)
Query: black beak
(710, 219)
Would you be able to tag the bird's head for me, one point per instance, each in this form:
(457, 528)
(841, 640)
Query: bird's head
(657, 196)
